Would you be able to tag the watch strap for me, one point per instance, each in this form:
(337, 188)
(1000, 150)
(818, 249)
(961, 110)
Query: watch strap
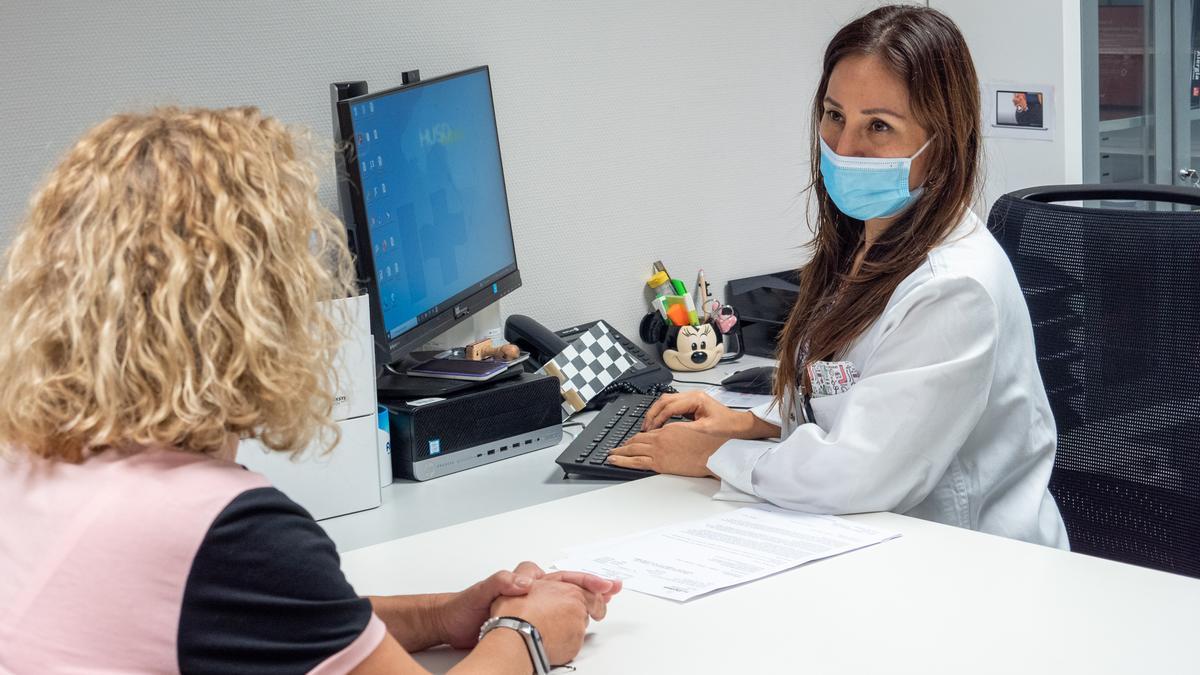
(528, 632)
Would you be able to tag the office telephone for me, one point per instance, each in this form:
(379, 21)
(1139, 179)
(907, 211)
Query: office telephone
(544, 344)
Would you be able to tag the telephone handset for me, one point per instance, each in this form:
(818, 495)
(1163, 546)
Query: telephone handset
(544, 344)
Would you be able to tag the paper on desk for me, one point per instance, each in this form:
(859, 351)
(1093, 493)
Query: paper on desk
(687, 560)
(735, 399)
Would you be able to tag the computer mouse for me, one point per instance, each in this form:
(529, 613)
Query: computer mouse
(759, 380)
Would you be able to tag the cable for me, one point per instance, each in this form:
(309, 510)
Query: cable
(711, 384)
(626, 387)
(568, 425)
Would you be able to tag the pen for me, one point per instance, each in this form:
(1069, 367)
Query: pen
(702, 297)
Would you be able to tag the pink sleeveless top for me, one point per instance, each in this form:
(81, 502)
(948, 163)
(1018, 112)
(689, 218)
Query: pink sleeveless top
(94, 559)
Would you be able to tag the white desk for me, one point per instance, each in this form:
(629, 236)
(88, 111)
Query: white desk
(410, 507)
(937, 600)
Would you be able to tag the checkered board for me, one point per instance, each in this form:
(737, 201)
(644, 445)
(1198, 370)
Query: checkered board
(588, 365)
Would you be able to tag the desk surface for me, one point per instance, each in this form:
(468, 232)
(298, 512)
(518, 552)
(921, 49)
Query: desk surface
(937, 600)
(410, 507)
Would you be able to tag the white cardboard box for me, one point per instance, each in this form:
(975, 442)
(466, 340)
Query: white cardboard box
(356, 376)
(346, 479)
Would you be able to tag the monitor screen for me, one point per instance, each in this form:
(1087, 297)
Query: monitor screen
(427, 160)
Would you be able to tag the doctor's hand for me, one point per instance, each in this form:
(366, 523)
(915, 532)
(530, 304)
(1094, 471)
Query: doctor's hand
(681, 448)
(710, 416)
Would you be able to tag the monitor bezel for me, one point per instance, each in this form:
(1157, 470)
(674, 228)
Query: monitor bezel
(457, 308)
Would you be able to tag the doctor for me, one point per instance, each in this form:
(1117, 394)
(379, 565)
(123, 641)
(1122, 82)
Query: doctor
(907, 377)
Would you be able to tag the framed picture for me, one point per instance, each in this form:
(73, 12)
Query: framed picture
(1023, 109)
(1018, 111)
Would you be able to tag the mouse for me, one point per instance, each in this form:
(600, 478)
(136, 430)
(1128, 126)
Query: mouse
(759, 380)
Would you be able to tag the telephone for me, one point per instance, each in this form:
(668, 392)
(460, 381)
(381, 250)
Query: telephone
(544, 344)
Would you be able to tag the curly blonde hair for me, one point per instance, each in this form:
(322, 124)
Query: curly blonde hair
(164, 291)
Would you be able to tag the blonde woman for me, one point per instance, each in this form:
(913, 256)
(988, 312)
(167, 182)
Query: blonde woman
(159, 304)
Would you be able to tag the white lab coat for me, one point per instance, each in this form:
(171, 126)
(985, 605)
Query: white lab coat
(948, 422)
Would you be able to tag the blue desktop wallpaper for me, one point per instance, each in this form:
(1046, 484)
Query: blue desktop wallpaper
(434, 191)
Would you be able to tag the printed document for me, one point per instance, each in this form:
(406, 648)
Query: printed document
(734, 399)
(687, 560)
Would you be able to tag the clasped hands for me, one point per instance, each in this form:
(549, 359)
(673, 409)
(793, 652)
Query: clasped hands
(558, 604)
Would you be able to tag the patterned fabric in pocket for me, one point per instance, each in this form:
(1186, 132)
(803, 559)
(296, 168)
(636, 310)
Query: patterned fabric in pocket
(830, 378)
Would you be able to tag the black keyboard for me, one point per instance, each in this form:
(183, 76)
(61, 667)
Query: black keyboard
(617, 421)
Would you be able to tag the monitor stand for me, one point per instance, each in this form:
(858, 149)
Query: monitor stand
(393, 386)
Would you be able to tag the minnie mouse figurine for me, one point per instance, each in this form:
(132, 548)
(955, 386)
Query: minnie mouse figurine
(684, 348)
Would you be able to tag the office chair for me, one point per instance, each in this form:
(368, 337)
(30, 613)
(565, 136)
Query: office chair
(1115, 300)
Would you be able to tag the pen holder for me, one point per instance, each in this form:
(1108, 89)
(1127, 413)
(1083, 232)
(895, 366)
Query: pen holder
(683, 348)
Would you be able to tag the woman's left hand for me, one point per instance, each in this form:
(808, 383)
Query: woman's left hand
(459, 615)
(679, 448)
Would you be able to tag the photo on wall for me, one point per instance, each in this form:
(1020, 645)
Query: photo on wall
(1023, 111)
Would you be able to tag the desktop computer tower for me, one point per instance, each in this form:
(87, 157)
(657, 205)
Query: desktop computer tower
(437, 436)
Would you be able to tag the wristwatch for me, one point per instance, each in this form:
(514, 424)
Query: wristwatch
(530, 634)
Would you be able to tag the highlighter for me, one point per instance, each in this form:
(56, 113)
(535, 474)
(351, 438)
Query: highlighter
(693, 319)
(658, 304)
(660, 283)
(677, 314)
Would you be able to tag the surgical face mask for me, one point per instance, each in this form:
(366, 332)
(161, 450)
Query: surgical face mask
(868, 187)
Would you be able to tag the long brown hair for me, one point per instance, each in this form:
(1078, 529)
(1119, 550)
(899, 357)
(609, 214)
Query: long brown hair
(835, 305)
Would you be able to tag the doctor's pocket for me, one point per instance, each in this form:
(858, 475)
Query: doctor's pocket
(832, 382)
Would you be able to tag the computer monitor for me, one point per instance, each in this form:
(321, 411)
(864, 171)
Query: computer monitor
(427, 206)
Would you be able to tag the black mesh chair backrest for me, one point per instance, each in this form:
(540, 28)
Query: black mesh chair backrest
(1115, 300)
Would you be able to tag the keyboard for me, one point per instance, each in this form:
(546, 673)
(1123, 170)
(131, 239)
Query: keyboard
(616, 422)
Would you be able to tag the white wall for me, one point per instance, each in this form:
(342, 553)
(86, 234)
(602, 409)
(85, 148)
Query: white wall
(1027, 42)
(630, 130)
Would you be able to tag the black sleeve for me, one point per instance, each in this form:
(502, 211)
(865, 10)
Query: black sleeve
(266, 593)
